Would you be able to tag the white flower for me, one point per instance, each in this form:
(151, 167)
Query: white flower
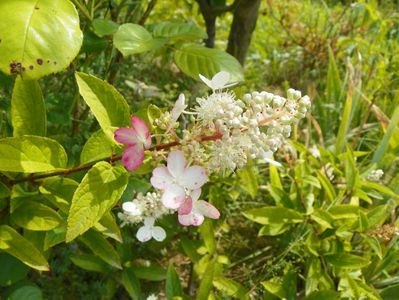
(268, 157)
(178, 108)
(176, 178)
(219, 81)
(152, 297)
(149, 231)
(133, 208)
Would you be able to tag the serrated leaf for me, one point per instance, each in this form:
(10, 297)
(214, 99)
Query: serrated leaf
(178, 30)
(15, 244)
(54, 237)
(39, 37)
(102, 248)
(35, 216)
(99, 191)
(108, 227)
(133, 38)
(31, 154)
(195, 59)
(59, 191)
(28, 113)
(273, 215)
(98, 147)
(107, 104)
(172, 285)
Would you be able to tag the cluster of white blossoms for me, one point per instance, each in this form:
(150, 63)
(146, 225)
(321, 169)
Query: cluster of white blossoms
(226, 132)
(375, 175)
(251, 128)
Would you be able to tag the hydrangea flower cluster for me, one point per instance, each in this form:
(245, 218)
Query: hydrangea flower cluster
(226, 132)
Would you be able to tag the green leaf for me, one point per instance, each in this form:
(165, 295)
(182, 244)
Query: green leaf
(173, 286)
(104, 27)
(28, 113)
(348, 261)
(178, 30)
(230, 287)
(153, 272)
(195, 59)
(333, 79)
(273, 215)
(325, 295)
(344, 211)
(380, 151)
(28, 292)
(59, 191)
(108, 227)
(208, 234)
(41, 37)
(102, 248)
(328, 187)
(206, 281)
(249, 180)
(190, 248)
(131, 283)
(390, 293)
(98, 147)
(12, 270)
(16, 245)
(283, 287)
(107, 104)
(31, 154)
(89, 263)
(273, 229)
(54, 237)
(133, 38)
(35, 216)
(4, 190)
(99, 191)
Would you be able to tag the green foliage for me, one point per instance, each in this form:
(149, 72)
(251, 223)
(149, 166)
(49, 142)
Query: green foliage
(27, 109)
(98, 192)
(31, 154)
(194, 59)
(44, 39)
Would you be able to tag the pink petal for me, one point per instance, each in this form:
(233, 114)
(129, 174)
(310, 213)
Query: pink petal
(176, 163)
(133, 157)
(184, 220)
(191, 219)
(207, 209)
(142, 131)
(161, 178)
(186, 206)
(173, 196)
(127, 136)
(194, 177)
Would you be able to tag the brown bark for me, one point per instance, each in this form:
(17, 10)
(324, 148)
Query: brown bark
(244, 22)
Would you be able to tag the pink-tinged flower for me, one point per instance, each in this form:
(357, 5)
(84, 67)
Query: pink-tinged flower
(178, 108)
(176, 178)
(136, 139)
(193, 211)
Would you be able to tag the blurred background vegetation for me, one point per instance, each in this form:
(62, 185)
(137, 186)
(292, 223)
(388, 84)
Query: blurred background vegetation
(345, 56)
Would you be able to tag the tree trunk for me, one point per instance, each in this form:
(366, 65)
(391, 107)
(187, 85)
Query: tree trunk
(244, 22)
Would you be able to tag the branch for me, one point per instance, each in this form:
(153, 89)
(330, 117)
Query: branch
(216, 136)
